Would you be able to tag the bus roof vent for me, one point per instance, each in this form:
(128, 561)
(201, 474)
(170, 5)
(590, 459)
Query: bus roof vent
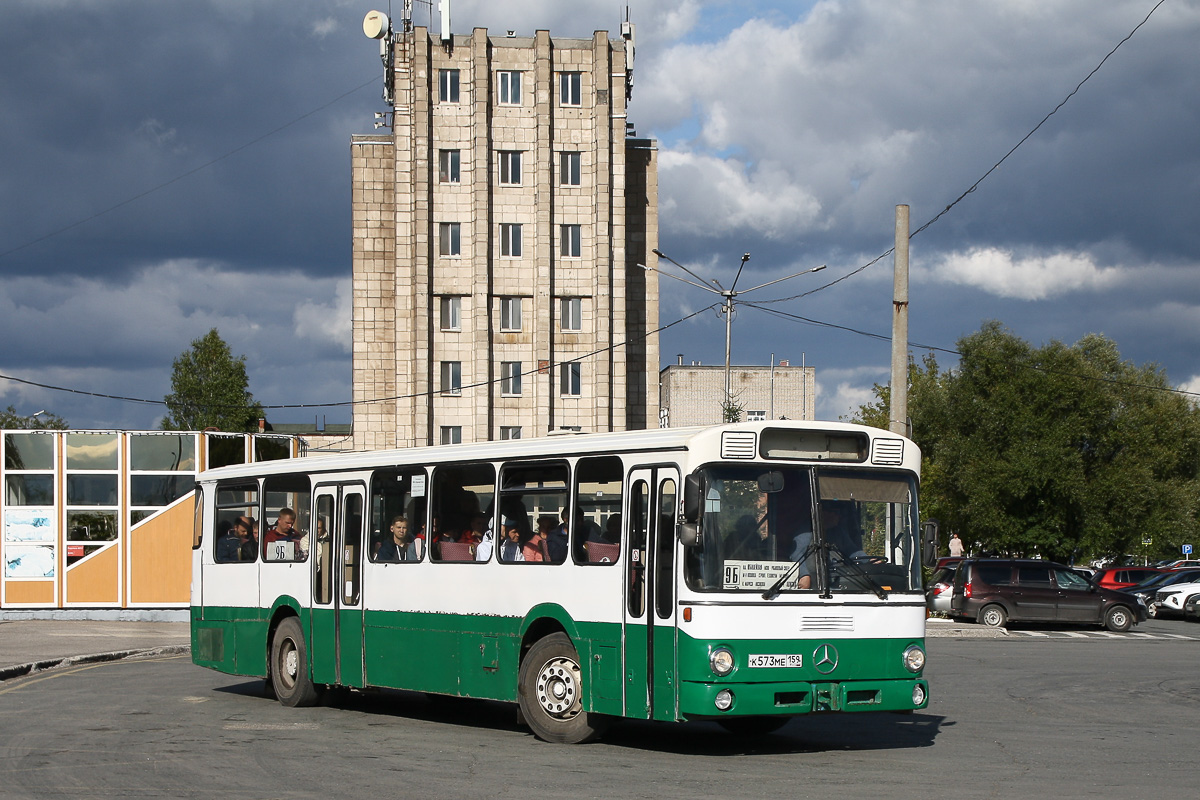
(887, 451)
(738, 444)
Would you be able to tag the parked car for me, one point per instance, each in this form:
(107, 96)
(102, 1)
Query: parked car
(1120, 577)
(948, 561)
(1149, 587)
(1169, 602)
(995, 591)
(1191, 608)
(1179, 563)
(941, 586)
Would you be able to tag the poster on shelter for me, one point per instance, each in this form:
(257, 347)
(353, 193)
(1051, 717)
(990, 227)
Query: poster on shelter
(29, 525)
(28, 561)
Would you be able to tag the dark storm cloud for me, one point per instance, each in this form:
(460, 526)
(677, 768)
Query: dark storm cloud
(115, 99)
(790, 130)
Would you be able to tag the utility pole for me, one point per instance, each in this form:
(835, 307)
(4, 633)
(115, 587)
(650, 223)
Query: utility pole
(898, 417)
(727, 296)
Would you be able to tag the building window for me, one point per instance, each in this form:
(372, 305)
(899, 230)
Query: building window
(510, 87)
(572, 314)
(450, 239)
(452, 377)
(451, 313)
(510, 432)
(510, 167)
(448, 166)
(756, 416)
(448, 86)
(570, 384)
(570, 245)
(510, 239)
(510, 378)
(569, 173)
(510, 313)
(569, 89)
(451, 434)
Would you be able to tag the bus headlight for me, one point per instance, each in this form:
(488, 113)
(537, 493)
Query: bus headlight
(721, 661)
(918, 695)
(723, 700)
(914, 658)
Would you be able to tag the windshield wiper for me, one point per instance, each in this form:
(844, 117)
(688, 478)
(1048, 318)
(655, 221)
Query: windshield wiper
(777, 587)
(860, 573)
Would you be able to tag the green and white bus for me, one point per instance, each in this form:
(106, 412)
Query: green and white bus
(745, 573)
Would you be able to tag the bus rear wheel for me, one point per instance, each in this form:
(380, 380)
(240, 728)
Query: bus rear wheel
(550, 693)
(289, 666)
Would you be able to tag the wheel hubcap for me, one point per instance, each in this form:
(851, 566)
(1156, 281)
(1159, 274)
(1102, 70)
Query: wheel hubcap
(558, 688)
(291, 664)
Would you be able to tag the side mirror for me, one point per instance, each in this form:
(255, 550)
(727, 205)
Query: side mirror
(692, 498)
(929, 542)
(688, 533)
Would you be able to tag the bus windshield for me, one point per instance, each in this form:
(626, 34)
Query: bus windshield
(829, 530)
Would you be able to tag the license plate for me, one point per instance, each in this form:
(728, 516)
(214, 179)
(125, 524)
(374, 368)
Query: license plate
(790, 660)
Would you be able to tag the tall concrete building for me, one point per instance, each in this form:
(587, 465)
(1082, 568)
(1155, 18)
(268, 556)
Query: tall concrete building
(498, 233)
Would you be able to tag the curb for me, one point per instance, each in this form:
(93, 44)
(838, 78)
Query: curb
(18, 670)
(955, 630)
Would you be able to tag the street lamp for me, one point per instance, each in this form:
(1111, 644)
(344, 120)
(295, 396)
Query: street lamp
(728, 296)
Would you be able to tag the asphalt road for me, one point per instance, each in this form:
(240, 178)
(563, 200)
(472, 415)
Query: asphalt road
(1021, 716)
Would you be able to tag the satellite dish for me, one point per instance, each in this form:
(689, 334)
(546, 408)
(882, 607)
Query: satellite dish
(376, 24)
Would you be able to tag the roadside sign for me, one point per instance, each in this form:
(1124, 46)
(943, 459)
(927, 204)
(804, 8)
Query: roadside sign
(1147, 540)
(1187, 549)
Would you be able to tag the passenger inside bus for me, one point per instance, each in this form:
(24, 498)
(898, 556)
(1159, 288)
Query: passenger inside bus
(399, 546)
(559, 540)
(238, 543)
(510, 545)
(534, 548)
(284, 530)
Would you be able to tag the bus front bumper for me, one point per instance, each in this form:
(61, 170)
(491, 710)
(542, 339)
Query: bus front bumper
(700, 700)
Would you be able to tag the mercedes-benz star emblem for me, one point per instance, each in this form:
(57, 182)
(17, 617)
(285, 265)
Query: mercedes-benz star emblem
(825, 659)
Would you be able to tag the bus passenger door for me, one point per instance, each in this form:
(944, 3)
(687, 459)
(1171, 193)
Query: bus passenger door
(337, 611)
(650, 608)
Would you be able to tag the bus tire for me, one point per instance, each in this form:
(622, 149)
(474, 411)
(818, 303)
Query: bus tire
(550, 693)
(753, 726)
(289, 666)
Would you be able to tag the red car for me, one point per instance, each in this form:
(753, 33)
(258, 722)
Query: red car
(1122, 577)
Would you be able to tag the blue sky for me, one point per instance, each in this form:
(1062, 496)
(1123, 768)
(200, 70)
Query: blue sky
(162, 174)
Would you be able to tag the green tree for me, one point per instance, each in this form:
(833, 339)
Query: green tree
(209, 389)
(11, 420)
(1059, 451)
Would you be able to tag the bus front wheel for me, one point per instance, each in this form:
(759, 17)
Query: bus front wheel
(550, 693)
(289, 666)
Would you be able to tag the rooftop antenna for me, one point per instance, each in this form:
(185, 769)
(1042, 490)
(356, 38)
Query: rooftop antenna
(444, 7)
(627, 33)
(377, 25)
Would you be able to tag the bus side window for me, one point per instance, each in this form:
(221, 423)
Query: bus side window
(461, 493)
(397, 516)
(286, 516)
(533, 496)
(236, 535)
(596, 535)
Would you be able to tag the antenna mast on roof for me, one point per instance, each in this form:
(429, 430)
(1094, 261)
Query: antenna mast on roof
(377, 25)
